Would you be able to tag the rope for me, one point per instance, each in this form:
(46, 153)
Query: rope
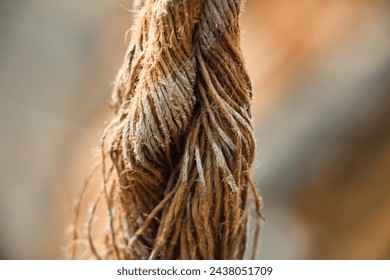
(178, 152)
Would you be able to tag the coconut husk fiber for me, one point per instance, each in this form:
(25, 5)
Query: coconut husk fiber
(177, 155)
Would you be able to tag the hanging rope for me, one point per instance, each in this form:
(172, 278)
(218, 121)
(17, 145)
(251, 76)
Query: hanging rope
(178, 153)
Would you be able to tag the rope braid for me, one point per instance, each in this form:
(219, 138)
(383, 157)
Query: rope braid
(178, 153)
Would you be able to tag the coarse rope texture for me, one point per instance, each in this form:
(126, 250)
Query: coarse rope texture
(176, 157)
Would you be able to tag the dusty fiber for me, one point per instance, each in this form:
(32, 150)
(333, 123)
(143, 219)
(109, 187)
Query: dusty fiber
(178, 153)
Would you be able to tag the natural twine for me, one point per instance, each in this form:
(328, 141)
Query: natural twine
(176, 157)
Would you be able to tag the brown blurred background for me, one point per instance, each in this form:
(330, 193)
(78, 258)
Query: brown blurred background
(321, 74)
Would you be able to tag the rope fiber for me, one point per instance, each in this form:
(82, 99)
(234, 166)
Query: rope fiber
(177, 155)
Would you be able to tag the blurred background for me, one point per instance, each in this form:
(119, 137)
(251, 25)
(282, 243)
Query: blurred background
(321, 75)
